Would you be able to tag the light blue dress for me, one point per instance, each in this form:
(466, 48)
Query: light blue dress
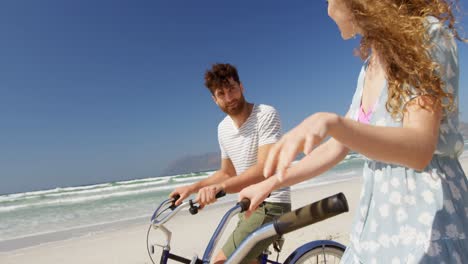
(408, 216)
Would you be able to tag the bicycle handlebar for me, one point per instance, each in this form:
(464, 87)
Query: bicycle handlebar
(312, 213)
(244, 204)
(220, 194)
(175, 209)
(176, 197)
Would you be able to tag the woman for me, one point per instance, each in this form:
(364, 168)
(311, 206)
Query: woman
(404, 119)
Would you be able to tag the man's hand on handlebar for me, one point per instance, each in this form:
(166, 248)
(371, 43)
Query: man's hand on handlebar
(207, 195)
(183, 192)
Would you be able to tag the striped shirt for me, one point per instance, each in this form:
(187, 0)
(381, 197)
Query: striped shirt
(240, 145)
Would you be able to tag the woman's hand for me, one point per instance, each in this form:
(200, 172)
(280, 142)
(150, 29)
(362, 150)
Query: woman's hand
(305, 137)
(257, 193)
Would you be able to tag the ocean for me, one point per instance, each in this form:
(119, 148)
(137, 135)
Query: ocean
(31, 218)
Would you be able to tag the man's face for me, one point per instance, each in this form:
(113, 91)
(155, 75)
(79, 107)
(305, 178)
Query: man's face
(230, 98)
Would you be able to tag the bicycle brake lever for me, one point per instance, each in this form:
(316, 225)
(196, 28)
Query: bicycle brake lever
(173, 206)
(194, 209)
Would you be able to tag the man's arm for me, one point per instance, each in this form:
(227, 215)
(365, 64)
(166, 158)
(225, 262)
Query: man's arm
(252, 175)
(225, 172)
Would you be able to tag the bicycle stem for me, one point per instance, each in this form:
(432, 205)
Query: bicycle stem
(168, 235)
(159, 224)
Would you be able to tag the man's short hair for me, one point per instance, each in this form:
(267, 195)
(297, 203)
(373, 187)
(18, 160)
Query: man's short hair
(220, 75)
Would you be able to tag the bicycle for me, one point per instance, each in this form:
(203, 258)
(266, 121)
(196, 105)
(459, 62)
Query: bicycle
(318, 251)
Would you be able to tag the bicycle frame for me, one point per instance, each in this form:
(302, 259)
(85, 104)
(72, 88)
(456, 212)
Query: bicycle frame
(299, 218)
(166, 255)
(268, 230)
(309, 214)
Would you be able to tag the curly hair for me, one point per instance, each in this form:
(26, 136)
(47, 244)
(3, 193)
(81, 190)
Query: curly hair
(397, 31)
(220, 75)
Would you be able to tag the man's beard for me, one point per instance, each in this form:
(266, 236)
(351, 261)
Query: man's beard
(235, 108)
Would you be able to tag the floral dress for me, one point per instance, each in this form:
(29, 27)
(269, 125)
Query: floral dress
(409, 216)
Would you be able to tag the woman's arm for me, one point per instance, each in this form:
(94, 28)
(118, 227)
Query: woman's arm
(411, 145)
(321, 159)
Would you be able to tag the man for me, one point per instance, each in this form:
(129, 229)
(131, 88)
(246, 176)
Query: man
(245, 136)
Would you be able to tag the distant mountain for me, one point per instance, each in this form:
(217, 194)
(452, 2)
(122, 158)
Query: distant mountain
(187, 164)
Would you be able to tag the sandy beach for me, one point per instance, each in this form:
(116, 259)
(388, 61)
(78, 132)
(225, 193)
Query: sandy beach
(127, 243)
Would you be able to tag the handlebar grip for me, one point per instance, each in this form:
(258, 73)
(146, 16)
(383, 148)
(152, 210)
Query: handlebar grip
(220, 194)
(176, 197)
(312, 213)
(244, 204)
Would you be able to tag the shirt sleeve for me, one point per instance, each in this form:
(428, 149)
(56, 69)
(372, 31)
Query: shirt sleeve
(444, 52)
(269, 128)
(224, 154)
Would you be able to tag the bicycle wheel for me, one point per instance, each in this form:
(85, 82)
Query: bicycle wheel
(319, 255)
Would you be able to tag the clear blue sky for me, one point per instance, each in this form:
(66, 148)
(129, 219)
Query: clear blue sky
(98, 91)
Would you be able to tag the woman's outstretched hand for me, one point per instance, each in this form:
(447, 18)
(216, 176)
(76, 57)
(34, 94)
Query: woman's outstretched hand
(303, 138)
(257, 193)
